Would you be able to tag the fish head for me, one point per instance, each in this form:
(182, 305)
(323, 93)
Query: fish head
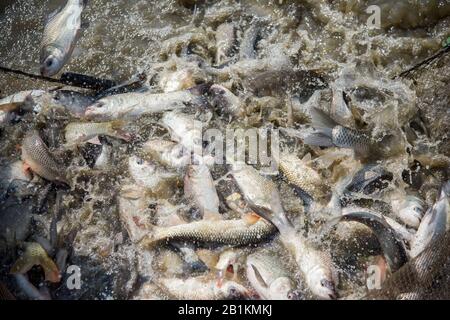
(282, 289)
(52, 63)
(322, 284)
(233, 290)
(219, 94)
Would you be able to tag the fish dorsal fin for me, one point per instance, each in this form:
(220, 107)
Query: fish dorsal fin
(259, 277)
(52, 15)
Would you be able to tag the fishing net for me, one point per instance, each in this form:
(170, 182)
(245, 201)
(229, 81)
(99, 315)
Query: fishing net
(426, 277)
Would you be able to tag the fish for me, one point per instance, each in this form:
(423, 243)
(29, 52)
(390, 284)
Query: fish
(130, 106)
(434, 223)
(315, 265)
(276, 82)
(203, 288)
(424, 277)
(229, 261)
(168, 153)
(40, 160)
(152, 178)
(185, 130)
(236, 232)
(369, 179)
(74, 102)
(77, 133)
(302, 175)
(409, 209)
(62, 31)
(35, 254)
(182, 79)
(225, 100)
(260, 193)
(247, 46)
(269, 277)
(263, 198)
(328, 133)
(199, 187)
(103, 161)
(393, 249)
(14, 101)
(225, 41)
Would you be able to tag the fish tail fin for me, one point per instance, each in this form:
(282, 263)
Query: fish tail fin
(321, 137)
(320, 119)
(322, 134)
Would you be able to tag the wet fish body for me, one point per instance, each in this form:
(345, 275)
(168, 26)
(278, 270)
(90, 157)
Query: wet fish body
(270, 278)
(41, 161)
(225, 41)
(201, 288)
(131, 106)
(328, 133)
(60, 36)
(79, 132)
(199, 186)
(213, 233)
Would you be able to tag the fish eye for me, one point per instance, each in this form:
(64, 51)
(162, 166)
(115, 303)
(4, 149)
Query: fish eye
(49, 62)
(233, 292)
(139, 161)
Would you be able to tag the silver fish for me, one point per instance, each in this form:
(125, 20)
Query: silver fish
(169, 153)
(270, 277)
(247, 48)
(203, 288)
(435, 222)
(185, 130)
(133, 105)
(225, 41)
(393, 249)
(226, 101)
(60, 36)
(199, 187)
(79, 132)
(328, 133)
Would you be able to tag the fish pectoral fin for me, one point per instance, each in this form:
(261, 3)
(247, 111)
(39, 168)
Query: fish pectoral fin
(259, 277)
(51, 271)
(95, 141)
(251, 218)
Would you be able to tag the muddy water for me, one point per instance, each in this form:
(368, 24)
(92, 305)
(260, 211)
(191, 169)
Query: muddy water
(127, 37)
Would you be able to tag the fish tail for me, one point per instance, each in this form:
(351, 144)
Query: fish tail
(323, 125)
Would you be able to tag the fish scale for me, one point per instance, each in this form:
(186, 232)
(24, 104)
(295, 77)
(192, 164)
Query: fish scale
(36, 154)
(214, 233)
